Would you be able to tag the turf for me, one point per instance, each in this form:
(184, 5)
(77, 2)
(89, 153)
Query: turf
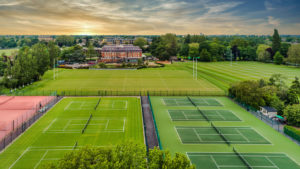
(231, 160)
(170, 139)
(222, 74)
(195, 115)
(208, 135)
(114, 121)
(152, 79)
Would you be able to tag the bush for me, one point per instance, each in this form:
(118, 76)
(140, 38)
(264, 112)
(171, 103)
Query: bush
(293, 132)
(292, 114)
(102, 65)
(126, 156)
(278, 58)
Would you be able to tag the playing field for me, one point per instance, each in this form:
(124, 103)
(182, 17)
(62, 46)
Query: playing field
(207, 133)
(152, 79)
(222, 74)
(73, 123)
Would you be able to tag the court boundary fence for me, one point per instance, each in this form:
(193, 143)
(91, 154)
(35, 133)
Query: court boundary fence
(18, 130)
(154, 121)
(84, 92)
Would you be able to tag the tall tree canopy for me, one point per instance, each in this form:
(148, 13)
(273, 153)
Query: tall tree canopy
(276, 41)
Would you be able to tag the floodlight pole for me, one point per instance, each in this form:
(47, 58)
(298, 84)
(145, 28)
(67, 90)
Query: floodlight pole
(193, 68)
(53, 69)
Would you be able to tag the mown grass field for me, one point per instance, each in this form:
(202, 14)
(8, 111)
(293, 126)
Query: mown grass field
(175, 139)
(222, 74)
(169, 78)
(8, 51)
(212, 77)
(114, 121)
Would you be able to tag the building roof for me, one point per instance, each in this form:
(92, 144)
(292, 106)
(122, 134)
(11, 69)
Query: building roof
(120, 48)
(269, 109)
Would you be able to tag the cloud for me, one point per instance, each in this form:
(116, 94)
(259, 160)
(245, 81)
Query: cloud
(137, 17)
(273, 21)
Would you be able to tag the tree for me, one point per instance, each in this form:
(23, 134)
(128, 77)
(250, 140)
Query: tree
(284, 49)
(276, 41)
(184, 50)
(65, 40)
(292, 114)
(296, 85)
(194, 50)
(54, 52)
(126, 156)
(140, 42)
(278, 58)
(73, 54)
(262, 53)
(91, 51)
(294, 54)
(170, 43)
(41, 55)
(205, 56)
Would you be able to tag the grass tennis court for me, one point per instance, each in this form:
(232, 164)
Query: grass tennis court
(74, 123)
(208, 135)
(184, 101)
(182, 128)
(233, 161)
(195, 115)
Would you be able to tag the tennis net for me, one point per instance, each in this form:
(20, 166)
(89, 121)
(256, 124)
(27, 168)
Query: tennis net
(242, 158)
(191, 101)
(86, 124)
(218, 131)
(97, 104)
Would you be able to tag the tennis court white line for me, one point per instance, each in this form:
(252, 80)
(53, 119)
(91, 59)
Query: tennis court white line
(19, 158)
(37, 164)
(68, 105)
(49, 125)
(67, 125)
(124, 124)
(271, 162)
(106, 124)
(220, 115)
(197, 135)
(237, 130)
(213, 159)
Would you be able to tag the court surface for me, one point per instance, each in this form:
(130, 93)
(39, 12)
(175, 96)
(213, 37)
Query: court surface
(208, 135)
(184, 101)
(75, 123)
(233, 161)
(196, 115)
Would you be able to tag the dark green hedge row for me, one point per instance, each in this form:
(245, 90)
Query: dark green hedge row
(291, 131)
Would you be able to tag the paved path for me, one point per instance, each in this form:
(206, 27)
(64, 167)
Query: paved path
(150, 133)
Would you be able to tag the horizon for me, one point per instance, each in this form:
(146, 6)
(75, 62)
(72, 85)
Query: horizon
(129, 17)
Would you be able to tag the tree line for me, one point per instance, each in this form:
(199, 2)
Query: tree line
(274, 93)
(126, 156)
(222, 48)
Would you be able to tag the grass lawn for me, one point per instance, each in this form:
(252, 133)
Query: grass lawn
(240, 134)
(153, 79)
(114, 121)
(212, 77)
(8, 51)
(222, 74)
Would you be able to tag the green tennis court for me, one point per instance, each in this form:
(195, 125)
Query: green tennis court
(208, 135)
(184, 101)
(195, 115)
(74, 123)
(233, 161)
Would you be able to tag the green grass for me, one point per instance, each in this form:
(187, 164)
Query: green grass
(114, 121)
(153, 79)
(222, 74)
(212, 77)
(170, 139)
(8, 51)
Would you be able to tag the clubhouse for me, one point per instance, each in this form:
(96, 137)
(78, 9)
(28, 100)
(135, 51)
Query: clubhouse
(120, 53)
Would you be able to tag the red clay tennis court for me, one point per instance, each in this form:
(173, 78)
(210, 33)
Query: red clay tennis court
(15, 110)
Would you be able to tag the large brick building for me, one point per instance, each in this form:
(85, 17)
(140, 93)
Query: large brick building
(120, 53)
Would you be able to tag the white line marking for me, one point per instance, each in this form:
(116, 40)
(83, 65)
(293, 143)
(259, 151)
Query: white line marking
(19, 158)
(37, 164)
(68, 105)
(49, 125)
(67, 125)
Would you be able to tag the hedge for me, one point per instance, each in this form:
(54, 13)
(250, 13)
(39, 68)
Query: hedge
(293, 132)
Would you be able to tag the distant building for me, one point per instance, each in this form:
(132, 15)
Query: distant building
(268, 111)
(120, 53)
(46, 38)
(117, 41)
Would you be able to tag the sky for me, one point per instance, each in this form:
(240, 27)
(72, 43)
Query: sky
(149, 17)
